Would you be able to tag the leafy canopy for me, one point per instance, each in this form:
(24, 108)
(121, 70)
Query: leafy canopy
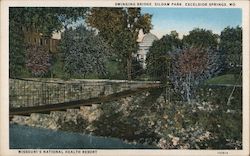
(185, 63)
(16, 50)
(201, 38)
(158, 57)
(120, 28)
(192, 66)
(42, 19)
(84, 52)
(231, 48)
(45, 19)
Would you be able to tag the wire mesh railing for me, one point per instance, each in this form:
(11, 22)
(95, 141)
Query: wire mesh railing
(30, 92)
(27, 93)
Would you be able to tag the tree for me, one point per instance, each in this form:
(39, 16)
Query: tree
(16, 47)
(83, 51)
(45, 19)
(120, 30)
(201, 37)
(127, 45)
(42, 19)
(158, 58)
(230, 47)
(192, 66)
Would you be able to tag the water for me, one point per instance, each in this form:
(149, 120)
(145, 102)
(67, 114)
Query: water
(24, 137)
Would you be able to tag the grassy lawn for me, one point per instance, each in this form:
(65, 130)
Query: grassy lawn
(225, 79)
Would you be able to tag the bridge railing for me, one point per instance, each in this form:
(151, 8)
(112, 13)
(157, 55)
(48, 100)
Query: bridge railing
(32, 92)
(26, 93)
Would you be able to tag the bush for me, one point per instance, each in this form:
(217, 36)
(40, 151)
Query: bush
(38, 60)
(57, 67)
(191, 67)
(83, 52)
(114, 69)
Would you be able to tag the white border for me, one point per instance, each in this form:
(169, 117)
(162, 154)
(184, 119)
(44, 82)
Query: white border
(4, 147)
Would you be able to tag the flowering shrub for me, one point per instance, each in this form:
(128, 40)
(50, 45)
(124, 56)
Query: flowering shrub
(38, 60)
(190, 67)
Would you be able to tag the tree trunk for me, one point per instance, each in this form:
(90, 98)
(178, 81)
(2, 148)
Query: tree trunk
(188, 88)
(129, 67)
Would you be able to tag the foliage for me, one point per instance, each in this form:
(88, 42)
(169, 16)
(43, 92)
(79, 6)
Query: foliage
(57, 66)
(83, 52)
(121, 30)
(185, 63)
(113, 67)
(137, 69)
(208, 123)
(46, 19)
(158, 57)
(130, 118)
(226, 120)
(38, 60)
(129, 46)
(231, 48)
(43, 19)
(148, 119)
(16, 48)
(190, 67)
(201, 38)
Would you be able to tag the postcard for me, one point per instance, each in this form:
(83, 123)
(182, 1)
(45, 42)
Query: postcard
(124, 77)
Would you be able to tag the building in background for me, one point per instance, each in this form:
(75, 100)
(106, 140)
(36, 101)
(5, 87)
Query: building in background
(144, 46)
(37, 38)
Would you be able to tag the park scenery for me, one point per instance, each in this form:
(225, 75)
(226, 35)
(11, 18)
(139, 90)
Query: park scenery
(158, 78)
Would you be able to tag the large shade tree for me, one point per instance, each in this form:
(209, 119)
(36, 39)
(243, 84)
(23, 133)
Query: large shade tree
(158, 59)
(120, 28)
(201, 37)
(230, 47)
(45, 20)
(184, 63)
(16, 48)
(197, 61)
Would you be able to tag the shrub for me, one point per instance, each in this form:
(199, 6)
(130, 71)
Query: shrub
(38, 60)
(190, 67)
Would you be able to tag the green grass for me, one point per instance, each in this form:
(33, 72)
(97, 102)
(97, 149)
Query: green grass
(225, 79)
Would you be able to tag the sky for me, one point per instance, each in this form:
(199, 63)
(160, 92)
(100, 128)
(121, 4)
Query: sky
(183, 20)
